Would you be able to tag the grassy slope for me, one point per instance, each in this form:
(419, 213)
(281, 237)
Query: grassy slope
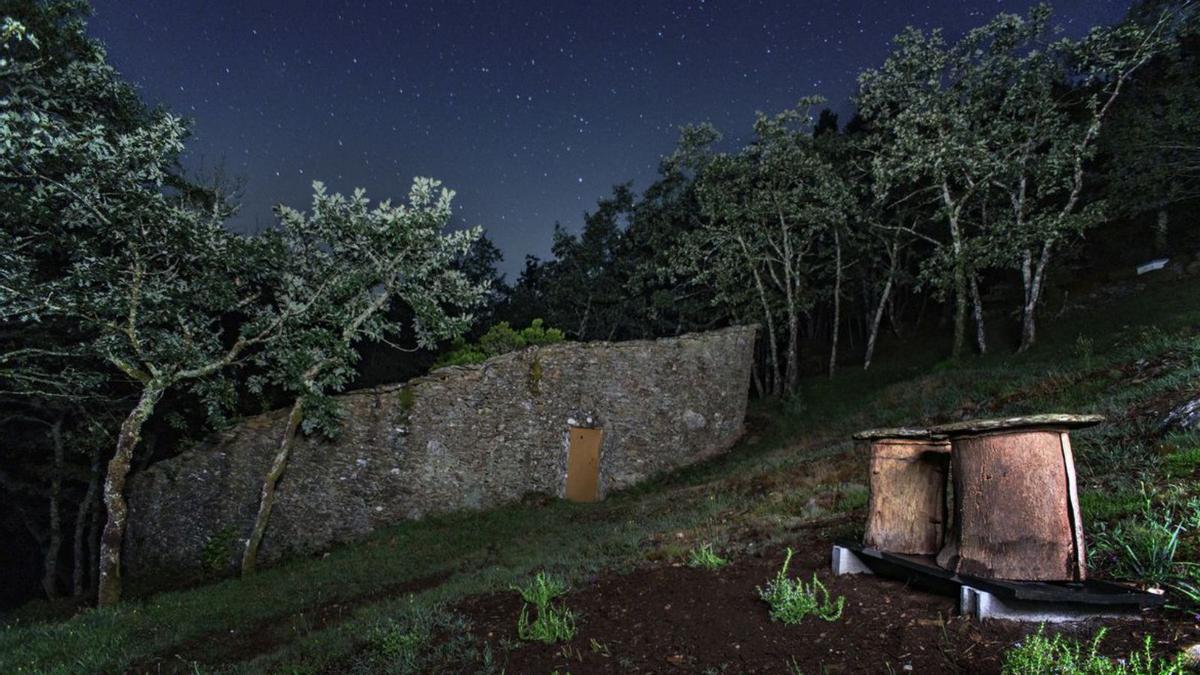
(1136, 353)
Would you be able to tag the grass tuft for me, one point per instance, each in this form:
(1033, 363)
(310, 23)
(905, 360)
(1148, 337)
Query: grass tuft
(704, 557)
(551, 623)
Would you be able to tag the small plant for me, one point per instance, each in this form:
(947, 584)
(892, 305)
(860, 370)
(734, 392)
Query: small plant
(703, 556)
(1039, 654)
(792, 600)
(217, 554)
(1085, 348)
(550, 623)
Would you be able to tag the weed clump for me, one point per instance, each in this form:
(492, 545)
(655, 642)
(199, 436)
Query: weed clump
(1040, 655)
(704, 557)
(551, 623)
(792, 600)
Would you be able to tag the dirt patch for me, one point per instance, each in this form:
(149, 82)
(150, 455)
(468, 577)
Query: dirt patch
(667, 619)
(233, 646)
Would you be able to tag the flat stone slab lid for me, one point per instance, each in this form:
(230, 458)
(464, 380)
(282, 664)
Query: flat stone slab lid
(899, 433)
(1048, 421)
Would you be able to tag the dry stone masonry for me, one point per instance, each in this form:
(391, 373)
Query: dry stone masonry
(468, 437)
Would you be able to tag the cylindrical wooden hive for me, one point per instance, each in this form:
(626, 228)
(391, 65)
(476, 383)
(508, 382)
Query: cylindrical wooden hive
(1016, 506)
(907, 506)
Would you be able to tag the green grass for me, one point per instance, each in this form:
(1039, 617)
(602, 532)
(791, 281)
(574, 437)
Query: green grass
(794, 466)
(423, 639)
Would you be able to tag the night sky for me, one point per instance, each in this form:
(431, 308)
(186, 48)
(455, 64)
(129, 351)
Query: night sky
(531, 110)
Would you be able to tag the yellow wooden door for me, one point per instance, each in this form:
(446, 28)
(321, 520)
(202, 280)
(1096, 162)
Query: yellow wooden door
(583, 465)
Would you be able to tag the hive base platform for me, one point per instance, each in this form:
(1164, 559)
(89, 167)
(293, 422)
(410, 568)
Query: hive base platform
(1037, 601)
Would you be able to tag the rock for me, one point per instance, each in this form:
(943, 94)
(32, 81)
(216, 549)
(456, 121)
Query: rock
(1183, 417)
(471, 437)
(693, 420)
(1191, 656)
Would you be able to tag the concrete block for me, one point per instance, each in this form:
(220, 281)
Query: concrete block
(846, 561)
(984, 605)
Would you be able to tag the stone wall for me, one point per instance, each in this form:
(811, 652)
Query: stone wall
(460, 438)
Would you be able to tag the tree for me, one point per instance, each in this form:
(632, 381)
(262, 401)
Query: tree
(1152, 144)
(1042, 140)
(160, 293)
(991, 118)
(346, 262)
(928, 146)
(479, 265)
(766, 208)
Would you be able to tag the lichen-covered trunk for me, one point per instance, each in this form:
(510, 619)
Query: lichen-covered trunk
(837, 303)
(54, 539)
(1161, 225)
(792, 374)
(108, 591)
(960, 291)
(876, 321)
(1034, 274)
(82, 517)
(977, 304)
(769, 319)
(270, 481)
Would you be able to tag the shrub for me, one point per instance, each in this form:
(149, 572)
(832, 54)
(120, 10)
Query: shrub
(703, 556)
(499, 339)
(550, 623)
(1040, 655)
(792, 600)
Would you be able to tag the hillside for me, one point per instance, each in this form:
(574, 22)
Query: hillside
(435, 595)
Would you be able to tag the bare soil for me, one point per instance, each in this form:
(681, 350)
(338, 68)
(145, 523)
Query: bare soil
(675, 619)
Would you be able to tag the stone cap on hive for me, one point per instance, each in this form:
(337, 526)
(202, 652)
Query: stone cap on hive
(1047, 421)
(899, 433)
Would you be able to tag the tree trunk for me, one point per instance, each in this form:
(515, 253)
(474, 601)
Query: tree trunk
(81, 520)
(977, 302)
(1035, 279)
(93, 541)
(770, 321)
(837, 302)
(792, 377)
(267, 499)
(1161, 223)
(108, 590)
(876, 321)
(54, 541)
(960, 291)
